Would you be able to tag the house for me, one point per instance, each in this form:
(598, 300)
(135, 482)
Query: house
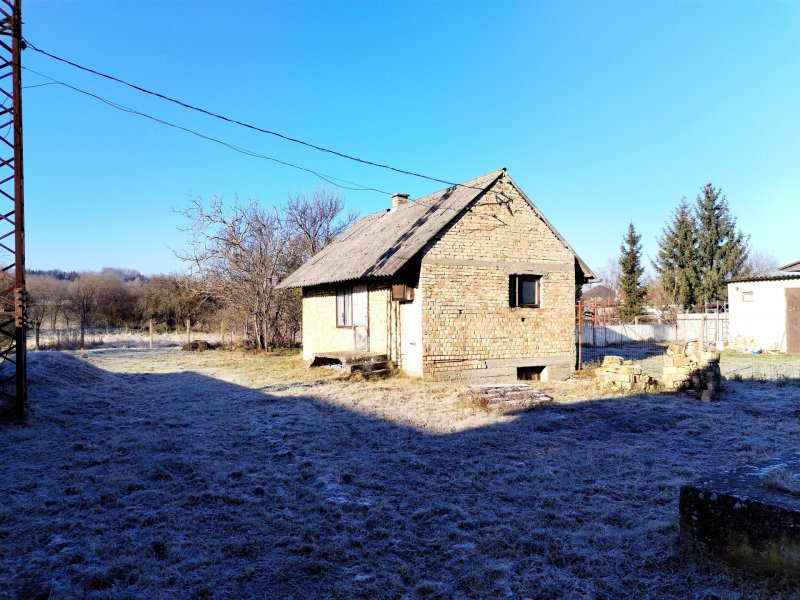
(470, 282)
(599, 293)
(766, 310)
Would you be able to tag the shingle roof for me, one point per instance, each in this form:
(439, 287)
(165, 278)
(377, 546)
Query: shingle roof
(380, 244)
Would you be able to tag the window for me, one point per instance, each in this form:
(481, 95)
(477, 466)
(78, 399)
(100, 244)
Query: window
(344, 307)
(747, 296)
(524, 290)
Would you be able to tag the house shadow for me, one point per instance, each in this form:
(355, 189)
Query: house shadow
(183, 485)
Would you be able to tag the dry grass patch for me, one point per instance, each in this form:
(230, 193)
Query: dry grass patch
(169, 474)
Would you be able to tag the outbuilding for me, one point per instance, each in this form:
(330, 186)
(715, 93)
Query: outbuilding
(766, 310)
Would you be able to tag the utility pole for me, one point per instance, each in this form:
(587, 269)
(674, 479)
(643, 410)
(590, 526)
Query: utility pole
(13, 295)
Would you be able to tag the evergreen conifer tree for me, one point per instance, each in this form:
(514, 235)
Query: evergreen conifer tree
(676, 262)
(721, 248)
(631, 271)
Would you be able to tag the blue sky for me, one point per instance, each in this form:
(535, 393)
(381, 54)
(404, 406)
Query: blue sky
(603, 112)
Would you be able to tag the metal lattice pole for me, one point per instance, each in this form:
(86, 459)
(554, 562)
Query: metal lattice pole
(13, 369)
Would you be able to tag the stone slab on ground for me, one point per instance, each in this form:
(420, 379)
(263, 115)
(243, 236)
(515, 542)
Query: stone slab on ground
(509, 397)
(750, 516)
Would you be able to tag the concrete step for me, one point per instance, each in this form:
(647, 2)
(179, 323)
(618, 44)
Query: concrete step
(375, 374)
(366, 367)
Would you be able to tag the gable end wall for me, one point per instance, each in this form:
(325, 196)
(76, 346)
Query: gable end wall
(469, 329)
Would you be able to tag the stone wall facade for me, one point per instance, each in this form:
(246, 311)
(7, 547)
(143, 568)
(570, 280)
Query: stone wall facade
(460, 324)
(469, 328)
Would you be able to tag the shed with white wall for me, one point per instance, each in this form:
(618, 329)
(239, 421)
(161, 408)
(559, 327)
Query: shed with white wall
(759, 311)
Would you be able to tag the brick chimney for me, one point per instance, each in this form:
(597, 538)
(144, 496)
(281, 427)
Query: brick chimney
(399, 200)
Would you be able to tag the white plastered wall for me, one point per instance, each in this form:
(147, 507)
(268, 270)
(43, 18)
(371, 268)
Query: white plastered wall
(411, 334)
(757, 311)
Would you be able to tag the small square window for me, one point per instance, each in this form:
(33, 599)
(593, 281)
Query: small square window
(344, 307)
(524, 291)
(747, 296)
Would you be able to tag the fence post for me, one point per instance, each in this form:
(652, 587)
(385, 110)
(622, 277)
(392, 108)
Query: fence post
(188, 335)
(222, 332)
(703, 334)
(580, 335)
(151, 334)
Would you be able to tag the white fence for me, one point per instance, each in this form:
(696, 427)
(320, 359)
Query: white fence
(610, 335)
(707, 328)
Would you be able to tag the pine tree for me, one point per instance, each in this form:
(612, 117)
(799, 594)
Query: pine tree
(721, 248)
(676, 262)
(630, 281)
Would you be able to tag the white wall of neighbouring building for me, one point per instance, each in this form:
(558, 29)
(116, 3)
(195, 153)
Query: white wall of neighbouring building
(757, 311)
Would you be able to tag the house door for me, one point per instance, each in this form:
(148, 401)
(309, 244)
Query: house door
(360, 318)
(793, 321)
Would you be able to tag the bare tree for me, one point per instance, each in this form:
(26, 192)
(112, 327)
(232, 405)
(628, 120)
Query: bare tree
(317, 220)
(37, 305)
(241, 254)
(57, 300)
(46, 302)
(760, 263)
(82, 295)
(171, 299)
(117, 298)
(610, 274)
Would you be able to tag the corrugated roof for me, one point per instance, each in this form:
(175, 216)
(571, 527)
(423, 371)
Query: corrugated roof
(764, 278)
(380, 244)
(791, 267)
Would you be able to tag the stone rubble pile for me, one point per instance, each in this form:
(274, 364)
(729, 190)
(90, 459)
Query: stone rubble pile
(623, 375)
(692, 370)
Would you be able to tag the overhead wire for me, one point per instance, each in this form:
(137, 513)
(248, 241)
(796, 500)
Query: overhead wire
(241, 123)
(328, 178)
(26, 87)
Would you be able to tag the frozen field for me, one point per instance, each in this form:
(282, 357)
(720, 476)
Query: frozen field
(167, 474)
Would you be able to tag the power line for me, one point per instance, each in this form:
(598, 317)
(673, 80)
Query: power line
(329, 178)
(241, 123)
(27, 87)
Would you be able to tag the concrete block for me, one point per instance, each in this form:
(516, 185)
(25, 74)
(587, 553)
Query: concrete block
(676, 350)
(750, 517)
(612, 360)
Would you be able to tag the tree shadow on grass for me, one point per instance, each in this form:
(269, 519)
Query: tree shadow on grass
(182, 485)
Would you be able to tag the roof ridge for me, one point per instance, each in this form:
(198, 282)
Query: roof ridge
(466, 184)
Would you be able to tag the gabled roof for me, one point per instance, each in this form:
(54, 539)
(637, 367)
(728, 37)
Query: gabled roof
(791, 267)
(380, 244)
(601, 291)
